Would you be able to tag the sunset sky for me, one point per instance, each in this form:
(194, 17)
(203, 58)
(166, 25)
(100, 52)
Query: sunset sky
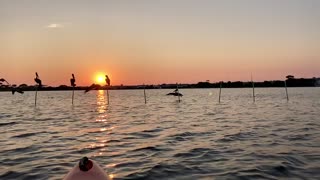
(163, 41)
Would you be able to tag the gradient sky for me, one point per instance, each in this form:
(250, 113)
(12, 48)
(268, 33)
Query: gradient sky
(153, 42)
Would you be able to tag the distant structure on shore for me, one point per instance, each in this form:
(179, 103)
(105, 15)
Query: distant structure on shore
(291, 82)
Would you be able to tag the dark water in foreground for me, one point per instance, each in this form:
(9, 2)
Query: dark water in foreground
(195, 139)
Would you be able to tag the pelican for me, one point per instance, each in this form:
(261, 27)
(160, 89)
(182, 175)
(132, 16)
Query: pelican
(175, 93)
(72, 81)
(107, 80)
(37, 80)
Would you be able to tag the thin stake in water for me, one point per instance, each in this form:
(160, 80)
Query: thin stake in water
(253, 94)
(285, 85)
(220, 90)
(39, 85)
(72, 81)
(144, 92)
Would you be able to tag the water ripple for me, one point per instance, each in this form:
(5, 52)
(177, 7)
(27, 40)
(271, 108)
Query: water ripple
(195, 139)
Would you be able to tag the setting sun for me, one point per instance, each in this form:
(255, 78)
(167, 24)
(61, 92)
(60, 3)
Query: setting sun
(100, 79)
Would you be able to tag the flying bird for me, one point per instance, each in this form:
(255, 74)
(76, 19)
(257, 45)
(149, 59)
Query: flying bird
(37, 80)
(92, 87)
(17, 90)
(175, 93)
(13, 88)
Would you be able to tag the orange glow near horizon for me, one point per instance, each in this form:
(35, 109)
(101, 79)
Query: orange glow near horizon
(100, 78)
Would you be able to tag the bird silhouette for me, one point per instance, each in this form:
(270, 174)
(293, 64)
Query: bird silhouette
(13, 88)
(38, 81)
(73, 81)
(18, 90)
(92, 87)
(107, 80)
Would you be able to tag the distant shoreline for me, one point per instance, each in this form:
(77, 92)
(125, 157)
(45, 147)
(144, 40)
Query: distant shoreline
(291, 82)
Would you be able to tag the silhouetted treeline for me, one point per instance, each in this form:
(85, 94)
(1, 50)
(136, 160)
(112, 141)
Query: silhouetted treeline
(277, 83)
(291, 82)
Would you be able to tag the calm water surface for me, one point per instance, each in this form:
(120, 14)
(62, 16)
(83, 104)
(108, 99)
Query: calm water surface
(197, 138)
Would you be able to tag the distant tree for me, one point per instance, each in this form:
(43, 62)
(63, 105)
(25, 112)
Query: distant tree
(63, 86)
(290, 77)
(23, 85)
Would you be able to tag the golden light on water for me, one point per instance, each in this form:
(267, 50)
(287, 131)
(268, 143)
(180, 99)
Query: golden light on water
(111, 165)
(101, 102)
(111, 176)
(101, 120)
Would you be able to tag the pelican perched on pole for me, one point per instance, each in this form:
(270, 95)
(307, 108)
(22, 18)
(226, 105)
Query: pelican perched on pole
(73, 81)
(108, 84)
(38, 81)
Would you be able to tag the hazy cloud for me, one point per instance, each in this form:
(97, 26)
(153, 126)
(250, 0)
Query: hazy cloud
(54, 25)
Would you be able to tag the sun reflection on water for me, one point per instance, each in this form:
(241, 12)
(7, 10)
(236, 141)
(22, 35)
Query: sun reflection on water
(111, 165)
(101, 144)
(101, 102)
(111, 176)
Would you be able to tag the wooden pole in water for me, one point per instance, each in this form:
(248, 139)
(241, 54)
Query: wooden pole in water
(178, 94)
(108, 94)
(220, 90)
(253, 94)
(35, 98)
(144, 92)
(285, 85)
(72, 94)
